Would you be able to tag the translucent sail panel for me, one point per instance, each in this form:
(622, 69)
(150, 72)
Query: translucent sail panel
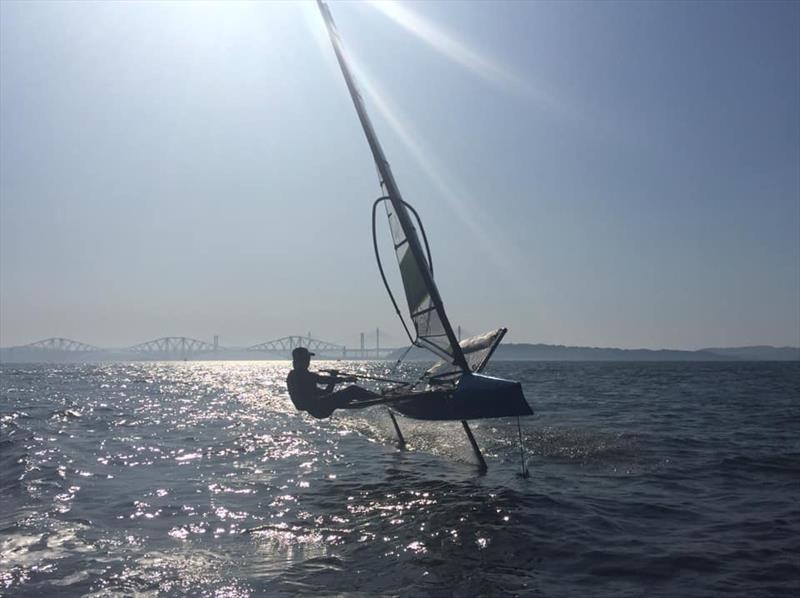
(477, 349)
(424, 313)
(427, 313)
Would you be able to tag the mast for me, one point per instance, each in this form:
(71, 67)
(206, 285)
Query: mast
(392, 190)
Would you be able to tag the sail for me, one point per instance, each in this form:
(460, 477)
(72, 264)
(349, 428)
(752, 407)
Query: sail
(477, 350)
(428, 324)
(425, 305)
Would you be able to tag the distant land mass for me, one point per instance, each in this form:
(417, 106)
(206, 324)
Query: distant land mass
(507, 352)
(541, 352)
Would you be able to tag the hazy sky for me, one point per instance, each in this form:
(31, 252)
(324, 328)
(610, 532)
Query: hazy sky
(588, 173)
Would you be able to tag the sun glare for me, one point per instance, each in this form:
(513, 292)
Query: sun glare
(462, 209)
(455, 50)
(221, 24)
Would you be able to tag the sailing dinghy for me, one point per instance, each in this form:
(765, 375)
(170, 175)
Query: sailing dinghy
(453, 389)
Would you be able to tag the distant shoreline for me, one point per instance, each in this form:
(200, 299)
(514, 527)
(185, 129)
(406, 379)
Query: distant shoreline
(505, 352)
(543, 352)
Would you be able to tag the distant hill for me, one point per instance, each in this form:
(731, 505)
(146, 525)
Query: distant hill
(542, 352)
(759, 353)
(507, 351)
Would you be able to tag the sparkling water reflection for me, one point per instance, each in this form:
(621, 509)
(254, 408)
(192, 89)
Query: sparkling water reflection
(201, 478)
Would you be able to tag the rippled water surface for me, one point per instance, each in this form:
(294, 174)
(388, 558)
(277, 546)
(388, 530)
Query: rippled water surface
(677, 479)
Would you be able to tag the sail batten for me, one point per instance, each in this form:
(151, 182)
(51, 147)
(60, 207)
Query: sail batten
(431, 324)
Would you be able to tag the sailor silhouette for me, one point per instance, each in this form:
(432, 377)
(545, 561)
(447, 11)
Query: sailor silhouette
(306, 394)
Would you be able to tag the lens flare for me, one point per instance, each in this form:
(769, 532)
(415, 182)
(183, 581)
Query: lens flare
(455, 50)
(466, 211)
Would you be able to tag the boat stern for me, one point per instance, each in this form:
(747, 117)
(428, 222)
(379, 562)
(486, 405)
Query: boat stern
(475, 397)
(478, 397)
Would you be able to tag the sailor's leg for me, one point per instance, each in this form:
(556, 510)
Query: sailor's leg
(320, 410)
(349, 397)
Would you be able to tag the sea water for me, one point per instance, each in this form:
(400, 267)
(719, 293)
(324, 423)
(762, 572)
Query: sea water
(199, 478)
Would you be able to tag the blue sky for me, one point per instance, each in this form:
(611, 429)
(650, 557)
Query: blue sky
(588, 173)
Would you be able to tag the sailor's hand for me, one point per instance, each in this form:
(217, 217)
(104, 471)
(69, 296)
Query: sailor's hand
(337, 378)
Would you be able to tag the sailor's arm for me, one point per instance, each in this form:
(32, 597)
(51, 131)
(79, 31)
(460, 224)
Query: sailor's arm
(332, 378)
(329, 380)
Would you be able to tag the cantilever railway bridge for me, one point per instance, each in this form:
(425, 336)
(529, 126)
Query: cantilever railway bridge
(179, 346)
(182, 347)
(59, 344)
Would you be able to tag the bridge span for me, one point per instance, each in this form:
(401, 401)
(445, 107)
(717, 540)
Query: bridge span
(60, 344)
(321, 349)
(183, 348)
(174, 346)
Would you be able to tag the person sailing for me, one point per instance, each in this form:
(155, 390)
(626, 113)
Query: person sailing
(307, 396)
